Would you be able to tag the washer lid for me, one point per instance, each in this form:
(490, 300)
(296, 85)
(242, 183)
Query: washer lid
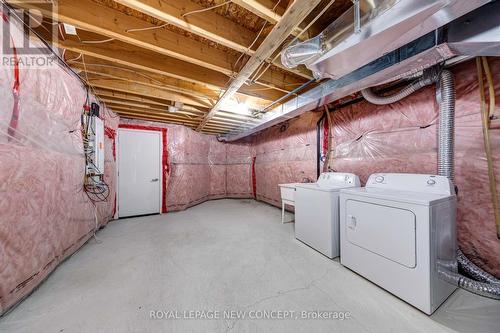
(418, 198)
(317, 187)
(332, 181)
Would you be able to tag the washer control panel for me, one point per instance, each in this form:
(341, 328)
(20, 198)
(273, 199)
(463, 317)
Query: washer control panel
(411, 182)
(336, 179)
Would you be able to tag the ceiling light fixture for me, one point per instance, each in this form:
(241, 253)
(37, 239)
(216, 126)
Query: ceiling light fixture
(241, 108)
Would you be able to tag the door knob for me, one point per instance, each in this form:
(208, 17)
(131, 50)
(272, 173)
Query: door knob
(154, 180)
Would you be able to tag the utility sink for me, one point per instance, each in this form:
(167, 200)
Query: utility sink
(288, 192)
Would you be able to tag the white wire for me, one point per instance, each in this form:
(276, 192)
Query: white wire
(149, 28)
(206, 9)
(97, 41)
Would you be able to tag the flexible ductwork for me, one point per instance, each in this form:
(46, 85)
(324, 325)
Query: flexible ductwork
(469, 268)
(487, 285)
(479, 288)
(429, 77)
(446, 133)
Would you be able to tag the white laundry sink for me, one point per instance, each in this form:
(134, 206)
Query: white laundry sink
(288, 192)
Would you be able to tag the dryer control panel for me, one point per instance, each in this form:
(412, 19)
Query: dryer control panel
(412, 182)
(334, 179)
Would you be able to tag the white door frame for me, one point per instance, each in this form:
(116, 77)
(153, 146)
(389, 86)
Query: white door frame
(117, 150)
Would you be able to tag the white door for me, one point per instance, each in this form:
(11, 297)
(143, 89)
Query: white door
(139, 176)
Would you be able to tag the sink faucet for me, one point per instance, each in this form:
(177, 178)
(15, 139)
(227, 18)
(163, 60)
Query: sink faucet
(307, 180)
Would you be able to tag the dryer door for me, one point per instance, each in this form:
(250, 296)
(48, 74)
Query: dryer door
(386, 231)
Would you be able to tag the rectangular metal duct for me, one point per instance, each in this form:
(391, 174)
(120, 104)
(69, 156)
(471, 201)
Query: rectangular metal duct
(474, 34)
(370, 29)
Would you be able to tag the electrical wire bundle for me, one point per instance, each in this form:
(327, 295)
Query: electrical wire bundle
(94, 185)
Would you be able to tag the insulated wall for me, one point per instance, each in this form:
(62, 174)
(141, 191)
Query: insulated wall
(200, 168)
(402, 137)
(44, 213)
(286, 153)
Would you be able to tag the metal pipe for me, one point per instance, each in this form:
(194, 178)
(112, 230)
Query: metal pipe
(293, 92)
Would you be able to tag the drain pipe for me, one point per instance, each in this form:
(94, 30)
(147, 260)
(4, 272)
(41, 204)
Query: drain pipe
(488, 285)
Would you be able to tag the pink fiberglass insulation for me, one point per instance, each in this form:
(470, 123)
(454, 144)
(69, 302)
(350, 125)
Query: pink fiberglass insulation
(45, 215)
(285, 153)
(201, 168)
(402, 137)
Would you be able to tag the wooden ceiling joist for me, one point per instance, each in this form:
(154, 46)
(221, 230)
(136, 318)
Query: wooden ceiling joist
(108, 23)
(106, 93)
(180, 113)
(295, 14)
(144, 60)
(147, 79)
(260, 10)
(107, 69)
(140, 71)
(130, 87)
(207, 24)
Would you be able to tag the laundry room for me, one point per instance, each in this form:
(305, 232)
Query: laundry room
(249, 166)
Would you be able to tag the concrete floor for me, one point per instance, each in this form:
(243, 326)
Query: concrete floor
(222, 255)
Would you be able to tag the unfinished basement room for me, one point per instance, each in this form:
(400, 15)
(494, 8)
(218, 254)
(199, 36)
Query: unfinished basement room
(250, 166)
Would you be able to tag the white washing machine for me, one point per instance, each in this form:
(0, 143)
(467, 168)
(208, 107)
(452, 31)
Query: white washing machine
(317, 211)
(396, 230)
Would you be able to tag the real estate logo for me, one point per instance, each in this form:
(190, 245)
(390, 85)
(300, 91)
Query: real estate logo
(24, 22)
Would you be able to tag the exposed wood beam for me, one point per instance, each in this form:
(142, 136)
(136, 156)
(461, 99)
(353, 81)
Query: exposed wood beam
(264, 9)
(134, 57)
(207, 24)
(145, 105)
(260, 10)
(180, 113)
(119, 53)
(166, 115)
(128, 106)
(134, 88)
(106, 94)
(129, 97)
(93, 66)
(295, 14)
(161, 120)
(138, 114)
(107, 69)
(135, 115)
(90, 16)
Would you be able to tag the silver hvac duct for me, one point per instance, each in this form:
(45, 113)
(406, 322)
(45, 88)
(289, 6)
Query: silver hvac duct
(487, 285)
(371, 28)
(474, 34)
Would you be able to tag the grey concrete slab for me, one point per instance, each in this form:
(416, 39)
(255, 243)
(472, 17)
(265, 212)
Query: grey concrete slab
(224, 255)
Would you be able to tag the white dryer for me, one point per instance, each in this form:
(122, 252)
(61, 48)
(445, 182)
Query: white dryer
(317, 211)
(395, 231)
